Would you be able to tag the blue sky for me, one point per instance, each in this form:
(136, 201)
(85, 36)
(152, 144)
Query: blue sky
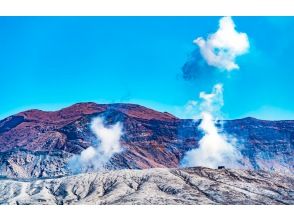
(52, 62)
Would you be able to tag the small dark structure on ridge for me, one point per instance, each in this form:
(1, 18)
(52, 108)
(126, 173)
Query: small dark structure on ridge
(221, 167)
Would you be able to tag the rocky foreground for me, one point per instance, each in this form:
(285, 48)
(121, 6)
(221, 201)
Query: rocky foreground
(154, 186)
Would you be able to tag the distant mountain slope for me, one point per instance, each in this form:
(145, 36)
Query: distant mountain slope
(36, 143)
(154, 186)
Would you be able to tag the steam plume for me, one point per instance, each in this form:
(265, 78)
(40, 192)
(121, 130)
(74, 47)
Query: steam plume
(96, 157)
(214, 148)
(221, 48)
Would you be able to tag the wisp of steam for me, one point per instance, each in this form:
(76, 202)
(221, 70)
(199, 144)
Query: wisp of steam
(215, 148)
(108, 144)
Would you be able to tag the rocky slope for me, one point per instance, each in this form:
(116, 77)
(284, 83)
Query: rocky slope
(154, 186)
(36, 143)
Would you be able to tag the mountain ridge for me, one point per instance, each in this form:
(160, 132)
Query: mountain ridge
(150, 139)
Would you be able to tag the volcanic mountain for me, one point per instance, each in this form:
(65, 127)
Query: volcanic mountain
(39, 143)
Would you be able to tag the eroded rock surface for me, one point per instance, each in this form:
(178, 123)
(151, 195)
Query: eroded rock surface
(154, 186)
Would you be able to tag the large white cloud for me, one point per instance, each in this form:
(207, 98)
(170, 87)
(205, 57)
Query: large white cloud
(221, 48)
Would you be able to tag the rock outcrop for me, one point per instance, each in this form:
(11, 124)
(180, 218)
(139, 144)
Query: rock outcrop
(154, 186)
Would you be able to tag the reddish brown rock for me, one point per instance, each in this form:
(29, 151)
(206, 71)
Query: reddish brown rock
(150, 138)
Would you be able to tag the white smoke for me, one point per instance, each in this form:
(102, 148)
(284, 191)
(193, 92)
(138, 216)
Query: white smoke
(190, 110)
(215, 148)
(96, 157)
(221, 48)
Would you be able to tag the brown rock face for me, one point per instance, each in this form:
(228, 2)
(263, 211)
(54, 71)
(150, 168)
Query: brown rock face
(150, 138)
(146, 133)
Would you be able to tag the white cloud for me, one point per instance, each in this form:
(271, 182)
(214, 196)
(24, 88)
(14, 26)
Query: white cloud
(221, 48)
(108, 143)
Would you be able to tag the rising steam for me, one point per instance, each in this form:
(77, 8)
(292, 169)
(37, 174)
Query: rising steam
(108, 144)
(222, 48)
(215, 148)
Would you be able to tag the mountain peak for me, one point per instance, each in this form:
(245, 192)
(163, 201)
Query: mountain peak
(87, 108)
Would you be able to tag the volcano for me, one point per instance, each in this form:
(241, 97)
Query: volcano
(38, 144)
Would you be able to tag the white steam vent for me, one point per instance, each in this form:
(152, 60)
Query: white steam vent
(108, 143)
(215, 148)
